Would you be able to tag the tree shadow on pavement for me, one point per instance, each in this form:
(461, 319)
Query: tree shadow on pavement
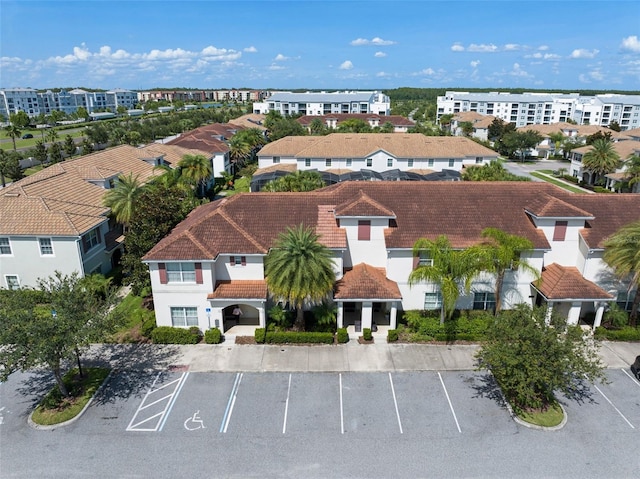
(486, 386)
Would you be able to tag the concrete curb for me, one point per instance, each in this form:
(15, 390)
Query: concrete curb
(524, 423)
(41, 427)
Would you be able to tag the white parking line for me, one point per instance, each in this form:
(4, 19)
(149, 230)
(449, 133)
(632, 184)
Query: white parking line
(170, 398)
(393, 391)
(232, 400)
(631, 377)
(341, 408)
(286, 407)
(613, 406)
(449, 401)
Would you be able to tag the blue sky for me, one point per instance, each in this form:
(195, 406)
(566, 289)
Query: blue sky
(320, 44)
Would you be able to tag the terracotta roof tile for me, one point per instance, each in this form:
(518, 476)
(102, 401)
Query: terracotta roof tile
(562, 282)
(547, 206)
(366, 282)
(239, 290)
(363, 205)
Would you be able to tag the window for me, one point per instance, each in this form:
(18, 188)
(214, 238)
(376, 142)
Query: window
(451, 162)
(5, 246)
(349, 161)
(484, 301)
(184, 316)
(430, 162)
(238, 261)
(91, 239)
(327, 162)
(560, 231)
(369, 162)
(46, 248)
(181, 272)
(12, 281)
(432, 300)
(276, 159)
(625, 300)
(478, 160)
(389, 162)
(364, 230)
(410, 162)
(424, 259)
(307, 162)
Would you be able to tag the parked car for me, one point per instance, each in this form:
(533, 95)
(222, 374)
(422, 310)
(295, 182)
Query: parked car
(27, 136)
(635, 367)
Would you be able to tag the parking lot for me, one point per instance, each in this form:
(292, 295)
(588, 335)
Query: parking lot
(265, 424)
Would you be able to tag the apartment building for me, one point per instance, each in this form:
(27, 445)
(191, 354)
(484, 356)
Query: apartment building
(241, 96)
(323, 103)
(546, 108)
(400, 123)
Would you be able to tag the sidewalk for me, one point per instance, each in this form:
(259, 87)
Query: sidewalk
(350, 357)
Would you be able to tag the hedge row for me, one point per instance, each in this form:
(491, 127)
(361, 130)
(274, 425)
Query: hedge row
(625, 334)
(213, 336)
(343, 336)
(284, 337)
(169, 335)
(470, 326)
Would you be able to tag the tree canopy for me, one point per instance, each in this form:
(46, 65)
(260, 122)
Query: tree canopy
(297, 181)
(601, 159)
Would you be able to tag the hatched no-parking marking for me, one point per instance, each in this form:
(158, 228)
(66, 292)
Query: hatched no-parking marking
(156, 405)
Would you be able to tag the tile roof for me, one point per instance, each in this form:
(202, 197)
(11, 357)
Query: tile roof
(363, 205)
(625, 149)
(250, 120)
(61, 200)
(361, 145)
(366, 282)
(581, 130)
(547, 206)
(249, 223)
(239, 289)
(564, 283)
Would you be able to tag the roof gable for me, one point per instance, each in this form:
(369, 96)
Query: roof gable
(363, 206)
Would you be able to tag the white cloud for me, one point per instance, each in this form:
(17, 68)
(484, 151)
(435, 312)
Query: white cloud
(456, 47)
(584, 53)
(483, 48)
(512, 47)
(517, 71)
(475, 63)
(358, 42)
(382, 74)
(543, 47)
(280, 58)
(631, 43)
(273, 66)
(380, 54)
(544, 56)
(426, 71)
(346, 65)
(250, 49)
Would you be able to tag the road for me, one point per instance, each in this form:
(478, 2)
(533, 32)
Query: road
(171, 423)
(524, 169)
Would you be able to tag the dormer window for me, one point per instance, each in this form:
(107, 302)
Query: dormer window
(364, 230)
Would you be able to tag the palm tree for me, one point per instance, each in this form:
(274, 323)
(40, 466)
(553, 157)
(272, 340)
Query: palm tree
(13, 132)
(448, 268)
(122, 198)
(239, 150)
(557, 138)
(4, 159)
(601, 159)
(622, 254)
(299, 270)
(51, 135)
(632, 171)
(196, 169)
(502, 252)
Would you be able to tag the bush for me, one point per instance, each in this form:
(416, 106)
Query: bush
(260, 335)
(627, 333)
(169, 335)
(280, 316)
(466, 325)
(343, 336)
(195, 331)
(366, 334)
(286, 337)
(570, 178)
(147, 327)
(616, 317)
(213, 336)
(392, 335)
(600, 189)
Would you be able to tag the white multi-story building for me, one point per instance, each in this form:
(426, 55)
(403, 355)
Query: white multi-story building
(546, 108)
(323, 103)
(13, 100)
(214, 260)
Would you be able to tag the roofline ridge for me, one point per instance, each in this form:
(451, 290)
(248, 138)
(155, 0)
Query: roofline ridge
(241, 230)
(200, 246)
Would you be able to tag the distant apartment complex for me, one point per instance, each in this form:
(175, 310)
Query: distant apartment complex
(323, 103)
(546, 108)
(34, 103)
(202, 95)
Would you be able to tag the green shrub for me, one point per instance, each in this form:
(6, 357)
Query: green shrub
(616, 317)
(195, 331)
(392, 335)
(147, 327)
(286, 337)
(627, 333)
(600, 189)
(259, 335)
(280, 316)
(213, 336)
(366, 334)
(343, 335)
(468, 325)
(570, 178)
(169, 335)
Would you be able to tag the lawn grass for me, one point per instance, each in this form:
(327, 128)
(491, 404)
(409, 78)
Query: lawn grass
(561, 184)
(553, 416)
(54, 409)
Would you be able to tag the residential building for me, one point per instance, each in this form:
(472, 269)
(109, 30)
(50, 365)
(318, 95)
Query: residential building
(480, 124)
(400, 123)
(55, 219)
(13, 100)
(242, 96)
(375, 151)
(214, 260)
(625, 149)
(545, 108)
(323, 103)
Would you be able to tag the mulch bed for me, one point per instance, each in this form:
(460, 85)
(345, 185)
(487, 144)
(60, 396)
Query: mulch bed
(361, 340)
(245, 340)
